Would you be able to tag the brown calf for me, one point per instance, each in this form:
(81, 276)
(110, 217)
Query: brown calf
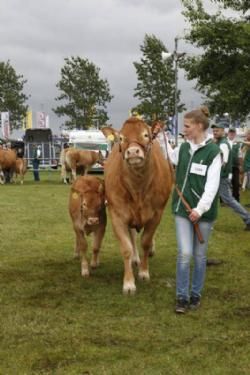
(138, 182)
(20, 169)
(88, 214)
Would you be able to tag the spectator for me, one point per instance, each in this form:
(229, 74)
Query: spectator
(225, 188)
(246, 161)
(36, 161)
(235, 146)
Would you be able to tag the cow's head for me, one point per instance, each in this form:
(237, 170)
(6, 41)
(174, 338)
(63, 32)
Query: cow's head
(92, 202)
(135, 141)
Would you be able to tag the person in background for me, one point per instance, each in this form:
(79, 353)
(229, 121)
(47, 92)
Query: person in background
(225, 184)
(36, 155)
(236, 154)
(198, 166)
(246, 161)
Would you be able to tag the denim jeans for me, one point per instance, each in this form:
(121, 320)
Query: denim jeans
(36, 169)
(227, 197)
(189, 247)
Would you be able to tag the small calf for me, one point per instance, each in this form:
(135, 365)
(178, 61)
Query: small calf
(88, 214)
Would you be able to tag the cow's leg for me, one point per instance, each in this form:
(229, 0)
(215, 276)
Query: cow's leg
(122, 233)
(136, 258)
(81, 247)
(2, 178)
(97, 241)
(147, 243)
(64, 174)
(86, 169)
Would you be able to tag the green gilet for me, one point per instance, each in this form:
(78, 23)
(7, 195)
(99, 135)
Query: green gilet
(246, 162)
(191, 177)
(235, 154)
(226, 169)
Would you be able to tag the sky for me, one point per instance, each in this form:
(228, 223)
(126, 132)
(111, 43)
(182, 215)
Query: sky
(36, 37)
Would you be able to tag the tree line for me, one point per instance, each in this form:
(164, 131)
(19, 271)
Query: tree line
(221, 70)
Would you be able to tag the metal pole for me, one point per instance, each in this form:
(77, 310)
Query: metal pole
(176, 91)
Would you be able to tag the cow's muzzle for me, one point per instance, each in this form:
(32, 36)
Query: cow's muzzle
(93, 220)
(134, 154)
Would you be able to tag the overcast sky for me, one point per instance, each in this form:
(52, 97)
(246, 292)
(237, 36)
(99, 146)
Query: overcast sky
(36, 36)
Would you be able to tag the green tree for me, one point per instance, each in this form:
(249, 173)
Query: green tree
(222, 69)
(156, 82)
(12, 98)
(83, 93)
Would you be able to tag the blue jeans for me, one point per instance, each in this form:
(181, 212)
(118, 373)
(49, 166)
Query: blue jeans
(36, 163)
(227, 197)
(189, 247)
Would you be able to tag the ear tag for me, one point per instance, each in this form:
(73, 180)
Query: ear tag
(74, 195)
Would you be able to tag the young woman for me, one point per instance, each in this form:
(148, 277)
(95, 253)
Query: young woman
(198, 166)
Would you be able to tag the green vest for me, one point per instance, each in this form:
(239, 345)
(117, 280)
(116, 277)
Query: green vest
(226, 169)
(235, 154)
(191, 176)
(246, 162)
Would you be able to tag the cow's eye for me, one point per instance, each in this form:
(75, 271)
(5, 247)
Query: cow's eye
(84, 204)
(121, 138)
(146, 135)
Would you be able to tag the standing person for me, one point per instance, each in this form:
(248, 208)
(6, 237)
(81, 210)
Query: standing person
(246, 161)
(36, 161)
(198, 166)
(235, 146)
(225, 188)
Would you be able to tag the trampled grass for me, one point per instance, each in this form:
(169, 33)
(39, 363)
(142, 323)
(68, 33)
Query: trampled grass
(54, 322)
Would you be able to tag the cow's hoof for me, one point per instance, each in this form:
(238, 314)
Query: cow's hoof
(129, 288)
(136, 261)
(144, 275)
(85, 272)
(94, 265)
(151, 253)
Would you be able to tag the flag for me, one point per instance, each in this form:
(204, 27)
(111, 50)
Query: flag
(47, 121)
(40, 120)
(27, 121)
(5, 121)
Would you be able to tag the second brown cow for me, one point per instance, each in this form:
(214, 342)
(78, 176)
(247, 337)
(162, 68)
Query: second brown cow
(138, 182)
(88, 214)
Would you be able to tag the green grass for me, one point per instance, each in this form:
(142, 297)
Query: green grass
(54, 322)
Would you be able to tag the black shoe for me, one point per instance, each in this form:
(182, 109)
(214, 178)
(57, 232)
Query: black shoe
(213, 262)
(195, 302)
(181, 306)
(247, 227)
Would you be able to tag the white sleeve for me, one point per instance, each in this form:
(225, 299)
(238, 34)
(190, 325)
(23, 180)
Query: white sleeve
(225, 152)
(172, 153)
(211, 186)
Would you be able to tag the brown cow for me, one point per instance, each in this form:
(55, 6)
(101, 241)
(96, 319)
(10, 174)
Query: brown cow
(138, 182)
(88, 214)
(72, 159)
(20, 169)
(7, 163)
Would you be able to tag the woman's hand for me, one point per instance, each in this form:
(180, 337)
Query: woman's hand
(194, 216)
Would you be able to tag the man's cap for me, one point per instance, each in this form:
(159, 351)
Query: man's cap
(220, 125)
(232, 129)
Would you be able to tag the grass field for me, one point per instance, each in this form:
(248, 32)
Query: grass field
(54, 322)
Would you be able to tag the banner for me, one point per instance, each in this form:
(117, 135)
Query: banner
(40, 120)
(5, 122)
(27, 121)
(47, 121)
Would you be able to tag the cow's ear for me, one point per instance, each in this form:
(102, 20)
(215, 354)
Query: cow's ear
(110, 133)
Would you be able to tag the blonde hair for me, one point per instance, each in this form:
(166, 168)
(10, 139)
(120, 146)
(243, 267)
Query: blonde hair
(199, 115)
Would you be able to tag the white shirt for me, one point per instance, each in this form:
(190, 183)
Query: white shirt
(213, 176)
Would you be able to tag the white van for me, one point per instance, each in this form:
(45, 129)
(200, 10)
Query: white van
(93, 140)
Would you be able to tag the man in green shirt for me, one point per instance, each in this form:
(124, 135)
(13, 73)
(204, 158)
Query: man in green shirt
(225, 185)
